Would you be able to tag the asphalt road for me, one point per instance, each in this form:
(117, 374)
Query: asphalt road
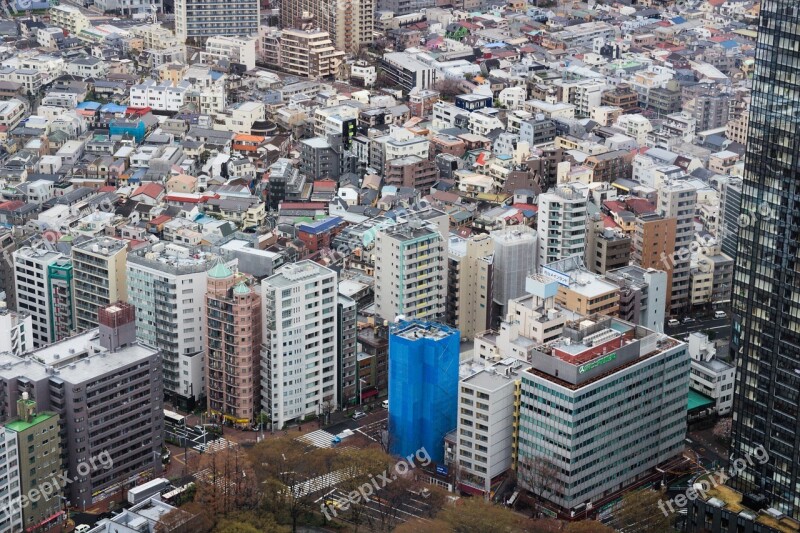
(720, 326)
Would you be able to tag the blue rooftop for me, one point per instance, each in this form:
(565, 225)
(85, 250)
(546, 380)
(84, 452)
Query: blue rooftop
(319, 226)
(729, 44)
(678, 20)
(114, 108)
(92, 106)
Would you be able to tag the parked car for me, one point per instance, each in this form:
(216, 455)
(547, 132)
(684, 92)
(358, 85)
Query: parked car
(672, 322)
(359, 414)
(720, 314)
(83, 528)
(689, 320)
(385, 404)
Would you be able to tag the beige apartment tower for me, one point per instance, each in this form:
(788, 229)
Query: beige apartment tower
(99, 278)
(469, 284)
(350, 23)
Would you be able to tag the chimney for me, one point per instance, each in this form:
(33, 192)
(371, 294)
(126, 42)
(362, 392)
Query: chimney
(26, 408)
(117, 326)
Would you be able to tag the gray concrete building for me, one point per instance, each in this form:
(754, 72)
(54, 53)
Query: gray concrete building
(108, 393)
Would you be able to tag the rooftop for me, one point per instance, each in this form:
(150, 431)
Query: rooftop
(21, 425)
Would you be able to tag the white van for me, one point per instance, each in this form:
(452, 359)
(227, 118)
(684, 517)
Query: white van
(385, 404)
(720, 314)
(83, 528)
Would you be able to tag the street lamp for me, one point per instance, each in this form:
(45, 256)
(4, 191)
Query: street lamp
(360, 390)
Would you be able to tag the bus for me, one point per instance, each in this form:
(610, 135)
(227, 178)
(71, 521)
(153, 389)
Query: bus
(173, 419)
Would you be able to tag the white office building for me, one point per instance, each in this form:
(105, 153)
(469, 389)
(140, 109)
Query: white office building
(298, 357)
(711, 376)
(167, 287)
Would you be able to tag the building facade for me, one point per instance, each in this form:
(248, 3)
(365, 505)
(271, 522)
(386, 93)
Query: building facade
(469, 284)
(561, 224)
(410, 272)
(99, 277)
(167, 286)
(423, 387)
(233, 332)
(81, 379)
(578, 394)
(299, 374)
(766, 298)
(198, 19)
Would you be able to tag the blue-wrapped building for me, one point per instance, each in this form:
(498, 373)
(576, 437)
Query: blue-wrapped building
(423, 386)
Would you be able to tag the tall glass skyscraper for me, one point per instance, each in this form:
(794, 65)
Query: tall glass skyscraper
(766, 292)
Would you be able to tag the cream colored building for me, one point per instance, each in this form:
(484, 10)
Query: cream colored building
(69, 18)
(100, 278)
(469, 284)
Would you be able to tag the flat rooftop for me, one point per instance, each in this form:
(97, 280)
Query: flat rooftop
(422, 330)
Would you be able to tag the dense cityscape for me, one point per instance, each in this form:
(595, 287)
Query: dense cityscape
(472, 266)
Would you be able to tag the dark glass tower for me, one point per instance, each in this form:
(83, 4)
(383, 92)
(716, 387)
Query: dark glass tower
(766, 291)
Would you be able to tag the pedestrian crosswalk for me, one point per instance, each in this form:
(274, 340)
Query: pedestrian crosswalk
(215, 445)
(320, 483)
(319, 438)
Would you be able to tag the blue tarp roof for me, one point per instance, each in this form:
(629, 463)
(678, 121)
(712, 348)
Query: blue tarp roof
(678, 20)
(114, 108)
(729, 44)
(94, 106)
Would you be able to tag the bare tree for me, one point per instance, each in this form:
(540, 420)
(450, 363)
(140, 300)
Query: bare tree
(539, 476)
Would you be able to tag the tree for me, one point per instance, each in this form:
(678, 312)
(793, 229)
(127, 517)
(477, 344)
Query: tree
(638, 511)
(360, 466)
(474, 515)
(183, 520)
(722, 429)
(229, 526)
(539, 476)
(449, 89)
(228, 483)
(282, 465)
(588, 526)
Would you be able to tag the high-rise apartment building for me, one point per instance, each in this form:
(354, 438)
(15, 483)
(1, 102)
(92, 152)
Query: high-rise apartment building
(678, 199)
(167, 286)
(561, 224)
(302, 52)
(62, 299)
(469, 284)
(514, 260)
(233, 332)
(349, 22)
(7, 247)
(99, 277)
(33, 294)
(347, 355)
(373, 361)
(405, 7)
(487, 402)
(654, 243)
(107, 391)
(201, 19)
(766, 297)
(423, 387)
(299, 357)
(410, 271)
(579, 414)
(10, 517)
(39, 460)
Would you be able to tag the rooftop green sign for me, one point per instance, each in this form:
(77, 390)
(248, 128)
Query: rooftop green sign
(597, 362)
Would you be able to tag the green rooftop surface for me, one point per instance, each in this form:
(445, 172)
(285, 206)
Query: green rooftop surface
(698, 400)
(220, 271)
(20, 425)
